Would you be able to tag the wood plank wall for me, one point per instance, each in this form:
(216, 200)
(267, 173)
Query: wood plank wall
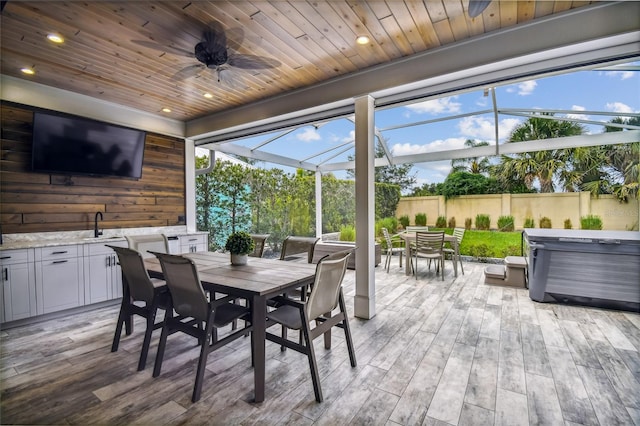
(40, 202)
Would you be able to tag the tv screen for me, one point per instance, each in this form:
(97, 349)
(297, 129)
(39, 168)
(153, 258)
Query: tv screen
(73, 145)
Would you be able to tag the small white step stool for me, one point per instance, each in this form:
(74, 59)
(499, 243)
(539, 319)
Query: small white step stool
(513, 273)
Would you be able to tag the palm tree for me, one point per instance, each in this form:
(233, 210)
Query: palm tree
(475, 165)
(624, 162)
(542, 166)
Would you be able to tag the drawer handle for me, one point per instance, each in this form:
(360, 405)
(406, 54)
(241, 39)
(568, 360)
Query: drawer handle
(59, 252)
(193, 239)
(60, 261)
(5, 257)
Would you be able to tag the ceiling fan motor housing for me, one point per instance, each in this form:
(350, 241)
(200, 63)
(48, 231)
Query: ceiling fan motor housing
(210, 59)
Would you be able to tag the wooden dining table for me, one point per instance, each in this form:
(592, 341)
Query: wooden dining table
(408, 237)
(257, 281)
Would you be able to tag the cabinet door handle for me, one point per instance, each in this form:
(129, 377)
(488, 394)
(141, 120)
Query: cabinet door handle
(115, 261)
(108, 260)
(60, 261)
(59, 252)
(5, 274)
(5, 257)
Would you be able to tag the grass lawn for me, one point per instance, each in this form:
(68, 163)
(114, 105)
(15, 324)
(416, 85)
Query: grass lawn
(490, 243)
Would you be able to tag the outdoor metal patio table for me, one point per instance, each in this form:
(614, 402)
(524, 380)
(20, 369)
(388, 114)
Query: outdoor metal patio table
(257, 281)
(409, 236)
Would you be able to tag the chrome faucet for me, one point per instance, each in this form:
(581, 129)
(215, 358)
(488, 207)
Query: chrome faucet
(96, 232)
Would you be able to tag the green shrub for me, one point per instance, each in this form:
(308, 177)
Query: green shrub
(545, 222)
(506, 224)
(441, 222)
(529, 223)
(467, 223)
(404, 220)
(421, 219)
(590, 222)
(567, 224)
(480, 251)
(452, 222)
(239, 243)
(391, 223)
(347, 233)
(483, 222)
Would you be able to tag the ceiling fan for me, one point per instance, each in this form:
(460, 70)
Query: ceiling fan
(216, 52)
(476, 7)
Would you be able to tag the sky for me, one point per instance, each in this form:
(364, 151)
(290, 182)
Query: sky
(582, 91)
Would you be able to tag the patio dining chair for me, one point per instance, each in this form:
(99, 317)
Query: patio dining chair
(147, 243)
(393, 247)
(293, 245)
(458, 233)
(259, 241)
(428, 245)
(140, 288)
(196, 316)
(325, 296)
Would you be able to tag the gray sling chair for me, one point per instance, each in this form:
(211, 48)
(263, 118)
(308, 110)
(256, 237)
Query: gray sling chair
(325, 296)
(428, 245)
(203, 317)
(139, 288)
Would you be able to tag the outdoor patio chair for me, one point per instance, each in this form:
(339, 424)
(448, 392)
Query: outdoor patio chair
(428, 245)
(393, 247)
(451, 251)
(146, 243)
(139, 288)
(259, 240)
(293, 245)
(193, 308)
(326, 295)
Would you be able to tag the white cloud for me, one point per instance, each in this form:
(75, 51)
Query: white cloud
(481, 128)
(618, 107)
(434, 146)
(436, 106)
(623, 75)
(578, 116)
(523, 89)
(308, 134)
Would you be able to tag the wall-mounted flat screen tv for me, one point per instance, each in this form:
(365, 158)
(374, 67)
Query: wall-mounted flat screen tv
(73, 145)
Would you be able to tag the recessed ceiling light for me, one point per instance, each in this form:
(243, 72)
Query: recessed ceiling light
(363, 39)
(55, 38)
(165, 109)
(208, 95)
(28, 71)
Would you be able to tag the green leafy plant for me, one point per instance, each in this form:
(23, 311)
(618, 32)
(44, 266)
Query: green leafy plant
(452, 222)
(483, 222)
(567, 224)
(545, 222)
(441, 222)
(590, 222)
(480, 252)
(347, 233)
(506, 224)
(404, 220)
(421, 219)
(239, 243)
(529, 223)
(391, 223)
(467, 223)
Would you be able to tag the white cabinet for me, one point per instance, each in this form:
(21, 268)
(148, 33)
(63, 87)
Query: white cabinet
(102, 273)
(18, 292)
(193, 243)
(59, 278)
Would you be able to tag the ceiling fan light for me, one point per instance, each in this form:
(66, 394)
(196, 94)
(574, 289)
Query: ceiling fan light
(55, 38)
(363, 39)
(28, 71)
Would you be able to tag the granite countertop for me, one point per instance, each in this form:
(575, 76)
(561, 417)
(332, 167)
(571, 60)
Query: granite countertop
(53, 239)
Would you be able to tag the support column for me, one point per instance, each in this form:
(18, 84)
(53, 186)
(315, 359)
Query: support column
(365, 301)
(190, 183)
(318, 204)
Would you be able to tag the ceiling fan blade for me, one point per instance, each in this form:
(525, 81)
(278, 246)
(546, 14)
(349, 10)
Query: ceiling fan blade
(235, 37)
(252, 62)
(163, 48)
(186, 72)
(214, 37)
(476, 7)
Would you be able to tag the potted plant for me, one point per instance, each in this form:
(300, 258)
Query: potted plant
(239, 244)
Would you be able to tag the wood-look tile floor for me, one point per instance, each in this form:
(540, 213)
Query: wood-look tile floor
(437, 352)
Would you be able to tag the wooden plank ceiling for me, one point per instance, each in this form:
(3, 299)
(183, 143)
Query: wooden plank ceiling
(129, 52)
